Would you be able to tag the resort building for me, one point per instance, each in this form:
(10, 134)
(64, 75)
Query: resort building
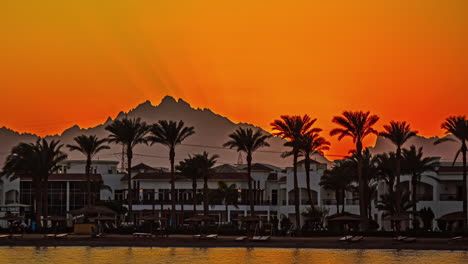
(273, 191)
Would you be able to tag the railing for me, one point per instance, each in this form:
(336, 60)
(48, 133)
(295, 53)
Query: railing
(450, 197)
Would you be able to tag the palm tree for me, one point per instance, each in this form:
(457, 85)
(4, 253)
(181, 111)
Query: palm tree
(339, 180)
(23, 160)
(170, 134)
(415, 165)
(386, 170)
(293, 129)
(205, 164)
(189, 168)
(129, 133)
(248, 141)
(37, 160)
(458, 127)
(88, 146)
(229, 195)
(357, 125)
(312, 143)
(398, 133)
(389, 205)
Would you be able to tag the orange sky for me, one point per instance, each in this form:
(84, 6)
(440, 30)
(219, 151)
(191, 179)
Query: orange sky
(67, 63)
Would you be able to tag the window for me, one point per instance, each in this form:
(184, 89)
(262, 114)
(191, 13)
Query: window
(274, 197)
(57, 198)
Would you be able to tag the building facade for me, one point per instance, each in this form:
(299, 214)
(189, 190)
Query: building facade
(273, 190)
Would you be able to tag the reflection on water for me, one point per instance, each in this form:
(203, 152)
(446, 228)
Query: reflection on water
(71, 255)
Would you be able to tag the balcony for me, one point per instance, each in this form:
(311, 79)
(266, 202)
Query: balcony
(450, 197)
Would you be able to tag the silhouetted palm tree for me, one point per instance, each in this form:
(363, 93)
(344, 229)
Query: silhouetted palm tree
(458, 127)
(357, 125)
(129, 133)
(312, 143)
(398, 133)
(189, 168)
(170, 134)
(293, 129)
(414, 164)
(248, 141)
(386, 170)
(88, 146)
(339, 179)
(204, 164)
(37, 160)
(229, 195)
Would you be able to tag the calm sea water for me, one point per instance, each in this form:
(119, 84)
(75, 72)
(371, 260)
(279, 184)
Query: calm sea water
(71, 255)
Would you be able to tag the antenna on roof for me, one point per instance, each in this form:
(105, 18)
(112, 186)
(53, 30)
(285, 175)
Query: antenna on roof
(240, 159)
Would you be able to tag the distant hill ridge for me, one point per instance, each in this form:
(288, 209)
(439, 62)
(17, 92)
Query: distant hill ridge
(211, 129)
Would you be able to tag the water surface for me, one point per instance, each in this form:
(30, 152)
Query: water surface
(118, 255)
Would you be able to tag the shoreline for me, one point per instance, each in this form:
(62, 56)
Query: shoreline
(185, 241)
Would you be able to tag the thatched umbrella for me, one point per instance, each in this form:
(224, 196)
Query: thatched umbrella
(92, 210)
(200, 218)
(152, 219)
(247, 218)
(346, 218)
(452, 217)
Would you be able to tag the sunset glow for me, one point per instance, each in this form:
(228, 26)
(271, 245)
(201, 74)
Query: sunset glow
(66, 63)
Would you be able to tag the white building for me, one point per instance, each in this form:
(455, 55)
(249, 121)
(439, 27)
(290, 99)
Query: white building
(273, 190)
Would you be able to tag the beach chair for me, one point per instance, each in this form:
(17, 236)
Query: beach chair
(456, 239)
(142, 235)
(345, 238)
(356, 239)
(211, 237)
(405, 239)
(242, 238)
(61, 235)
(200, 236)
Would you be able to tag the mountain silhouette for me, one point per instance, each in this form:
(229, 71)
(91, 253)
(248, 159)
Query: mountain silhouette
(211, 129)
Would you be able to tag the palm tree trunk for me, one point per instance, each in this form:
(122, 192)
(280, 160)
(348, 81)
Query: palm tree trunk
(45, 197)
(338, 200)
(37, 199)
(464, 189)
(205, 194)
(194, 191)
(129, 184)
(398, 187)
(227, 211)
(362, 189)
(307, 168)
(173, 198)
(249, 174)
(413, 197)
(343, 201)
(296, 194)
(88, 179)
